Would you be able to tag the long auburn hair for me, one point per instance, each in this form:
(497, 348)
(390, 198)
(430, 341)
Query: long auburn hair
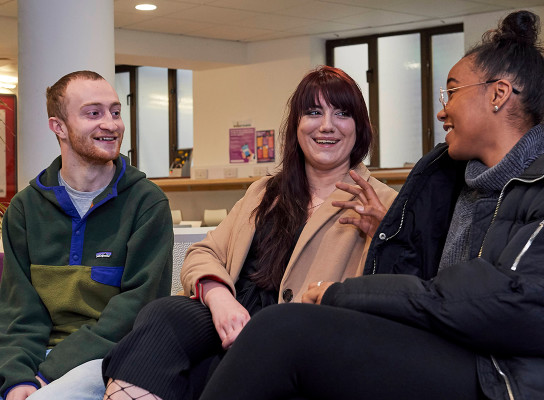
(283, 209)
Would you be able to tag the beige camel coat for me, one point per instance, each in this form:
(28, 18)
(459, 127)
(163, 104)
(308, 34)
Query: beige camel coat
(325, 251)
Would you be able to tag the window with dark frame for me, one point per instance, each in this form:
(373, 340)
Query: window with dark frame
(128, 97)
(450, 50)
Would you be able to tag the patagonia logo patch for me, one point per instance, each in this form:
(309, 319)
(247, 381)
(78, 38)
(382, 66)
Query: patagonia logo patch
(103, 254)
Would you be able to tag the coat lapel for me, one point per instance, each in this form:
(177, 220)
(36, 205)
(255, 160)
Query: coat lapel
(325, 212)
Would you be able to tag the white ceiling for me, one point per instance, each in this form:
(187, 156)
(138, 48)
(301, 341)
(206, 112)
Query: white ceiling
(257, 20)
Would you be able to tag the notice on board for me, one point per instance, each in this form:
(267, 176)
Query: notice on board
(242, 145)
(265, 146)
(3, 180)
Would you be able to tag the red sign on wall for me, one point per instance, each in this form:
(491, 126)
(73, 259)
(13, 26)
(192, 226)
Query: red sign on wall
(8, 147)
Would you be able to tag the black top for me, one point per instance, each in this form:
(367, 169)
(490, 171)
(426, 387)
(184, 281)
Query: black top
(248, 293)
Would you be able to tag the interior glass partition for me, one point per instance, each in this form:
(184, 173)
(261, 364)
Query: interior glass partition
(185, 108)
(122, 86)
(153, 135)
(158, 115)
(399, 80)
(400, 74)
(447, 49)
(354, 61)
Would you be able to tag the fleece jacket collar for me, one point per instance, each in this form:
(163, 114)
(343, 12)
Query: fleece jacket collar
(48, 185)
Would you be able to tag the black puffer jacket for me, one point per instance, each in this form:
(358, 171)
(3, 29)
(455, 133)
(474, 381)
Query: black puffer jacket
(493, 303)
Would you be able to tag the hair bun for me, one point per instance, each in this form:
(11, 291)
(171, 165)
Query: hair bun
(513, 52)
(521, 26)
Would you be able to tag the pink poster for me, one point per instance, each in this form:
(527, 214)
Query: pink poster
(242, 145)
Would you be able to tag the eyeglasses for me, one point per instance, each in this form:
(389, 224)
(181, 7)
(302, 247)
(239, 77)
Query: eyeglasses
(444, 100)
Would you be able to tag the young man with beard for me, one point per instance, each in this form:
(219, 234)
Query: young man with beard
(87, 245)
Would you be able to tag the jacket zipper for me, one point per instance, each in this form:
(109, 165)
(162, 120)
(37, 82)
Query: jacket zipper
(393, 235)
(506, 380)
(497, 210)
(404, 211)
(527, 245)
(514, 266)
(493, 219)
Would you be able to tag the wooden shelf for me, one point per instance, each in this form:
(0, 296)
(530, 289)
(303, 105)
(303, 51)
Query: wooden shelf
(188, 185)
(393, 176)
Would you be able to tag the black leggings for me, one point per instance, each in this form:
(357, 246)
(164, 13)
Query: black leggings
(320, 352)
(170, 351)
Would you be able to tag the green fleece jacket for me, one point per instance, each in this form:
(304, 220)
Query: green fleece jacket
(75, 285)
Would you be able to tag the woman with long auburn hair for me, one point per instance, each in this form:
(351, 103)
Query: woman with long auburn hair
(289, 230)
(451, 305)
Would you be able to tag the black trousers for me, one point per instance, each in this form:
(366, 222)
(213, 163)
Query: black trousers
(320, 352)
(170, 351)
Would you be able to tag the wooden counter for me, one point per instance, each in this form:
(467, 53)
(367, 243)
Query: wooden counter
(189, 185)
(395, 176)
(391, 176)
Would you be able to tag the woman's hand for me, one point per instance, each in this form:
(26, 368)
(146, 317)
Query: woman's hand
(315, 292)
(229, 316)
(367, 205)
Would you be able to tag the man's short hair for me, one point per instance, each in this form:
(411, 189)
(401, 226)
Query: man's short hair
(56, 106)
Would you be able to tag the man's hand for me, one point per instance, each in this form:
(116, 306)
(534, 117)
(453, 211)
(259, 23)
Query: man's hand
(42, 382)
(315, 292)
(367, 205)
(20, 392)
(229, 316)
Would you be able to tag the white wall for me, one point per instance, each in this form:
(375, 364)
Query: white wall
(176, 51)
(236, 81)
(45, 54)
(8, 44)
(231, 82)
(476, 25)
(256, 92)
(8, 49)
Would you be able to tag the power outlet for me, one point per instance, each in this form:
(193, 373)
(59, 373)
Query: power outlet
(201, 173)
(260, 171)
(230, 172)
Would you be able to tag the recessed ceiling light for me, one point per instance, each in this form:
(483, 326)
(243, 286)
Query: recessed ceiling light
(8, 82)
(8, 79)
(4, 85)
(146, 7)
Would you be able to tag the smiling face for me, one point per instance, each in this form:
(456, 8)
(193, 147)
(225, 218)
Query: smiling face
(326, 135)
(467, 114)
(93, 129)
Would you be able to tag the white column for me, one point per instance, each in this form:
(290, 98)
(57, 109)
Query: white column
(55, 37)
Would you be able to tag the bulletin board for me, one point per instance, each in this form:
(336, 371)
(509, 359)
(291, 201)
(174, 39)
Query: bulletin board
(8, 147)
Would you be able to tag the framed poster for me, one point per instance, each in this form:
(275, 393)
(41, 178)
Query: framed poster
(8, 147)
(265, 146)
(242, 145)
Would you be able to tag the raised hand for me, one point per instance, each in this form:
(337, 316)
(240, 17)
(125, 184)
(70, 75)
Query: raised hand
(366, 204)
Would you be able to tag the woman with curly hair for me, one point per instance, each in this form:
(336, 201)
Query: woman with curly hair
(451, 304)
